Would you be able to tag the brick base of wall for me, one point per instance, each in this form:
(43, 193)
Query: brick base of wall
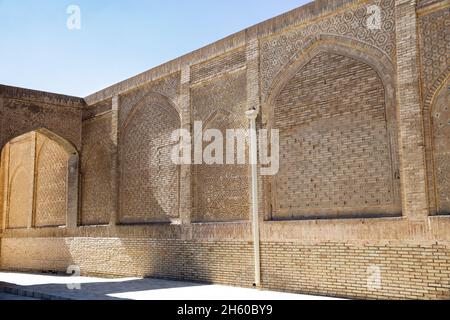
(407, 271)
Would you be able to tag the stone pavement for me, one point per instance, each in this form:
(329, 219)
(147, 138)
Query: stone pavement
(39, 286)
(11, 297)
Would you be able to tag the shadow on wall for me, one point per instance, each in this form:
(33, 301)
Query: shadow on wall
(35, 255)
(201, 261)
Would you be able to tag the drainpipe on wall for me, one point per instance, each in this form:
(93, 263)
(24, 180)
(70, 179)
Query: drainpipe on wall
(252, 115)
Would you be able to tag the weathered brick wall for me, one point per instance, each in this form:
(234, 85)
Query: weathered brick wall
(371, 106)
(330, 268)
(435, 69)
(35, 173)
(149, 181)
(96, 194)
(335, 156)
(218, 66)
(174, 259)
(20, 156)
(51, 170)
(441, 136)
(221, 192)
(23, 111)
(345, 269)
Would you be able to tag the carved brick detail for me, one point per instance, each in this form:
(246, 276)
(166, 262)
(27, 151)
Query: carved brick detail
(277, 51)
(96, 171)
(221, 193)
(168, 86)
(435, 46)
(149, 182)
(335, 155)
(441, 134)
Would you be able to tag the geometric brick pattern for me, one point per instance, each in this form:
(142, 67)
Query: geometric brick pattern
(434, 36)
(435, 45)
(335, 157)
(221, 192)
(32, 112)
(96, 172)
(38, 173)
(352, 23)
(21, 168)
(149, 183)
(51, 183)
(167, 86)
(441, 134)
(355, 117)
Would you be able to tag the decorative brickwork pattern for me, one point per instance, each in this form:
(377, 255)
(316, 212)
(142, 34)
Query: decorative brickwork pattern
(51, 183)
(20, 116)
(221, 192)
(96, 171)
(335, 156)
(441, 134)
(168, 86)
(21, 168)
(359, 111)
(435, 46)
(435, 68)
(278, 50)
(149, 180)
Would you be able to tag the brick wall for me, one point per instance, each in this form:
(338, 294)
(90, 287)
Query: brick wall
(364, 145)
(51, 172)
(96, 195)
(23, 111)
(36, 171)
(20, 157)
(149, 181)
(221, 192)
(335, 157)
(435, 69)
(343, 269)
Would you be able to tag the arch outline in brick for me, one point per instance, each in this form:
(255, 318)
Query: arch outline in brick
(357, 50)
(430, 106)
(72, 179)
(167, 109)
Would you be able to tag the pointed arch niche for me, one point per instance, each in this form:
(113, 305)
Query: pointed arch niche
(39, 182)
(334, 105)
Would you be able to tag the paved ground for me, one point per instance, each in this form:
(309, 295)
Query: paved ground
(84, 288)
(10, 297)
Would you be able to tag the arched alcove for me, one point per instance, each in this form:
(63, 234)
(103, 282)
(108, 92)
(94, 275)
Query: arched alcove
(39, 173)
(149, 181)
(440, 123)
(334, 105)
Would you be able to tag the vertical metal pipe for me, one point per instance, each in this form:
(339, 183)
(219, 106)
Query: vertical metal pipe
(252, 115)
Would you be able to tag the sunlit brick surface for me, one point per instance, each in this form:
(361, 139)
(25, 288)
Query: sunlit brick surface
(359, 208)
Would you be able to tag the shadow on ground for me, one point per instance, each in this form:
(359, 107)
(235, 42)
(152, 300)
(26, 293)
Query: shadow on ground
(77, 288)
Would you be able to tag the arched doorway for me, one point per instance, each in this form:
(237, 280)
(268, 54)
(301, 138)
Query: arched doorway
(39, 182)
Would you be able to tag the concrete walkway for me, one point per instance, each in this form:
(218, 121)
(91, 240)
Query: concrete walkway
(86, 288)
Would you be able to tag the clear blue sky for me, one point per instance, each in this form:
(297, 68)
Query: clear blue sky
(118, 38)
